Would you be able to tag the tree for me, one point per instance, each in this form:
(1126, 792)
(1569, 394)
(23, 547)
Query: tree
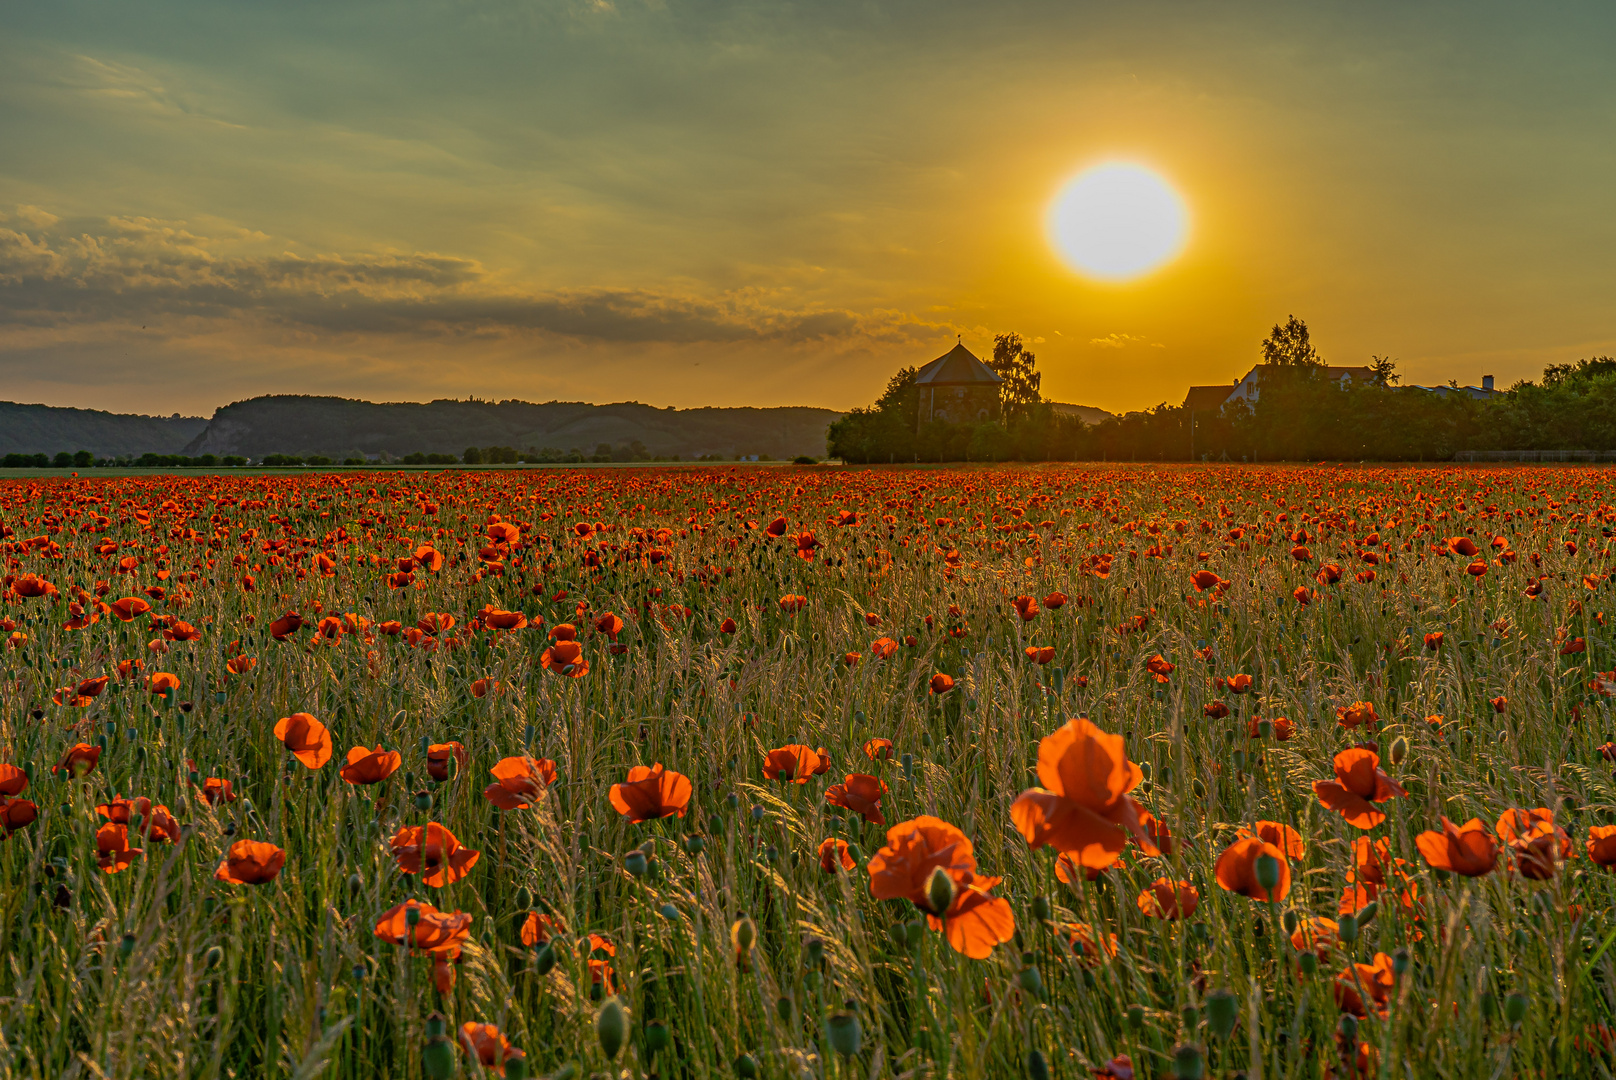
(1018, 367)
(1383, 370)
(1289, 346)
(472, 456)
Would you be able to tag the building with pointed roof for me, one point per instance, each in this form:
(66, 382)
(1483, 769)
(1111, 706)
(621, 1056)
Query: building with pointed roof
(958, 388)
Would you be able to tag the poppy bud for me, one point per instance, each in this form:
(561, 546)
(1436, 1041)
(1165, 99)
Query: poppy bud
(746, 1067)
(1347, 928)
(940, 889)
(1265, 729)
(423, 801)
(732, 800)
(1289, 921)
(815, 951)
(412, 915)
(914, 930)
(1515, 1007)
(715, 825)
(524, 898)
(844, 1033)
(544, 958)
(1489, 1004)
(635, 863)
(1348, 1027)
(1136, 1016)
(1188, 1063)
(1399, 750)
(855, 852)
(1307, 963)
(1367, 913)
(771, 853)
(1200, 793)
(1400, 962)
(656, 1038)
(355, 883)
(1041, 909)
(1222, 1009)
(782, 1008)
(212, 958)
(611, 1027)
(743, 934)
(516, 1065)
(1037, 1067)
(438, 1058)
(908, 766)
(669, 912)
(1032, 982)
(1266, 869)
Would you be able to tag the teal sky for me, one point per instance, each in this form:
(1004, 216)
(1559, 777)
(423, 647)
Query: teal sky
(749, 203)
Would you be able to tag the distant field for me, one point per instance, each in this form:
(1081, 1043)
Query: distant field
(775, 772)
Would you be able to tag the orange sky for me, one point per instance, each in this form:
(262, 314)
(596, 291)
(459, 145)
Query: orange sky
(745, 203)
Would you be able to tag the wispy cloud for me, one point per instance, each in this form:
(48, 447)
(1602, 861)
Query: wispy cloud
(140, 269)
(1117, 341)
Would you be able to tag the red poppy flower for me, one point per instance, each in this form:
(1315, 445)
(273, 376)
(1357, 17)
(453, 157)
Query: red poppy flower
(650, 793)
(860, 794)
(251, 862)
(432, 851)
(306, 738)
(370, 766)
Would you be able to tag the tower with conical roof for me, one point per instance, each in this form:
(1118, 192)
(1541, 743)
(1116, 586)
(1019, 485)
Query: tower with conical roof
(958, 388)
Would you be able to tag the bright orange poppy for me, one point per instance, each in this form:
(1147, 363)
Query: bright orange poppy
(1084, 807)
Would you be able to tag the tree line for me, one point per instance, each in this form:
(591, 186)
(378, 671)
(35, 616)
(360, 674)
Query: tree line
(1300, 414)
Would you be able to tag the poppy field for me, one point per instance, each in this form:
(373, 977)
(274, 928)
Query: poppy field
(1069, 771)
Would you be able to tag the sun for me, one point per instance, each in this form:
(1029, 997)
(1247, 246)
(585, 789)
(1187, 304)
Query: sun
(1117, 221)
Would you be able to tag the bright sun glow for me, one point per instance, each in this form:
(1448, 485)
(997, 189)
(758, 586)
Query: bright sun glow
(1117, 221)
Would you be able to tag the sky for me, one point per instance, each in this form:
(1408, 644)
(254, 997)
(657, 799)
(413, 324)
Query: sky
(702, 202)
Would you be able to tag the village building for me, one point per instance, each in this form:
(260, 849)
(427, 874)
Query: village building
(1211, 399)
(958, 388)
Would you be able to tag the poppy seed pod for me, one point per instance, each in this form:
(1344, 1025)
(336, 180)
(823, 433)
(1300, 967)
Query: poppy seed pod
(1136, 1016)
(746, 1067)
(611, 1027)
(1222, 1009)
(635, 863)
(844, 1034)
(438, 1058)
(1515, 1007)
(1349, 1029)
(1188, 1062)
(1266, 871)
(1307, 963)
(1347, 928)
(423, 801)
(940, 889)
(1399, 750)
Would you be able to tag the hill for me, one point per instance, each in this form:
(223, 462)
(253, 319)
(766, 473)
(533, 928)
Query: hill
(341, 427)
(49, 429)
(1086, 413)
